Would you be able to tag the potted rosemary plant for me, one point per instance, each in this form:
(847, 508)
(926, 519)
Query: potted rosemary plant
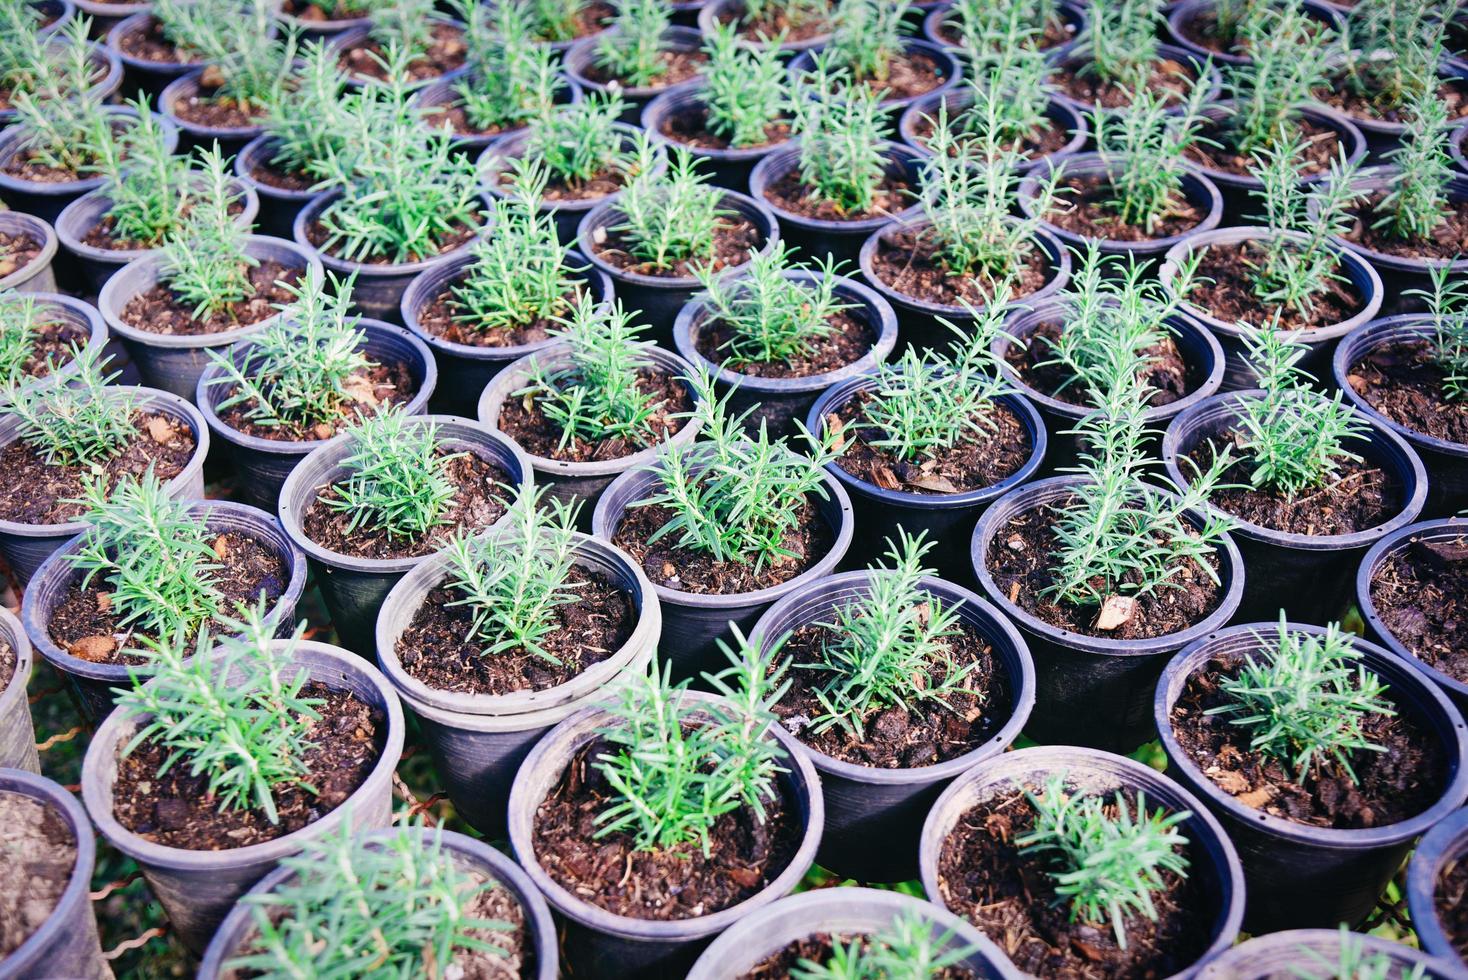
(784, 25)
(638, 56)
(1435, 889)
(150, 43)
(17, 731)
(318, 18)
(1119, 54)
(1232, 32)
(33, 60)
(979, 29)
(42, 335)
(407, 42)
(1335, 951)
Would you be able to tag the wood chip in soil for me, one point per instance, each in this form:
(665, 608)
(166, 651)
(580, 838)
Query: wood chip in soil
(1404, 382)
(439, 647)
(17, 251)
(1167, 376)
(1421, 595)
(849, 339)
(736, 238)
(39, 850)
(690, 127)
(161, 311)
(367, 391)
(1391, 786)
(1010, 896)
(1169, 79)
(85, 623)
(893, 195)
(817, 948)
(678, 67)
(1224, 289)
(1448, 241)
(175, 809)
(35, 492)
(52, 344)
(909, 262)
(1087, 209)
(1322, 146)
(666, 884)
(446, 52)
(523, 420)
(442, 318)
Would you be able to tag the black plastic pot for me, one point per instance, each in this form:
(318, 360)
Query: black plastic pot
(262, 465)
(579, 482)
(580, 59)
(17, 732)
(379, 286)
(93, 265)
(917, 319)
(717, 11)
(479, 740)
(1212, 860)
(935, 26)
(229, 138)
(1182, 14)
(174, 362)
(956, 101)
(598, 943)
(729, 166)
(842, 912)
(693, 623)
(1383, 136)
(1093, 690)
(948, 518)
(465, 369)
(278, 206)
(139, 75)
(1442, 846)
(1070, 57)
(65, 944)
(1446, 462)
(1307, 576)
(443, 93)
(354, 588)
(1238, 374)
(67, 310)
(104, 14)
(781, 403)
(1284, 954)
(659, 298)
(95, 683)
(466, 852)
(949, 67)
(344, 41)
(109, 69)
(197, 888)
(36, 276)
(25, 546)
(1300, 875)
(874, 817)
(817, 238)
(1446, 530)
(1459, 137)
(320, 28)
(55, 15)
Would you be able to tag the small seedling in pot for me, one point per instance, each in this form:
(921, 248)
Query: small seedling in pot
(841, 134)
(632, 52)
(1008, 94)
(744, 89)
(1353, 962)
(599, 395)
(29, 61)
(393, 906)
(1119, 42)
(554, 20)
(582, 142)
(1146, 147)
(998, 27)
(670, 218)
(770, 317)
(341, 9)
(307, 121)
(1286, 65)
(794, 14)
(303, 371)
(509, 79)
(1304, 700)
(396, 479)
(1107, 861)
(908, 946)
(676, 766)
(249, 65)
(205, 264)
(1391, 52)
(22, 320)
(231, 714)
(406, 26)
(867, 36)
(1447, 306)
(1418, 201)
(66, 127)
(149, 187)
(80, 423)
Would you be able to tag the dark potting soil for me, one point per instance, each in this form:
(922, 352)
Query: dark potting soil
(52, 346)
(1341, 94)
(1421, 595)
(591, 18)
(1050, 137)
(776, 21)
(160, 311)
(176, 809)
(446, 52)
(269, 174)
(1451, 901)
(849, 340)
(480, 488)
(1168, 376)
(368, 390)
(453, 118)
(438, 647)
(1449, 240)
(1021, 561)
(204, 109)
(690, 127)
(746, 854)
(900, 738)
(1201, 28)
(314, 13)
(1010, 896)
(17, 251)
(678, 67)
(39, 851)
(1393, 785)
(818, 948)
(100, 234)
(1169, 78)
(908, 261)
(789, 193)
(1056, 32)
(1321, 146)
(440, 318)
(685, 570)
(35, 492)
(1361, 497)
(1404, 382)
(1088, 210)
(971, 464)
(608, 181)
(318, 236)
(736, 238)
(1225, 290)
(8, 660)
(85, 624)
(150, 44)
(909, 74)
(22, 165)
(523, 420)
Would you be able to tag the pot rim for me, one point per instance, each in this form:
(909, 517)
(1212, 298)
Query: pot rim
(96, 334)
(187, 84)
(1447, 841)
(1285, 947)
(13, 632)
(136, 23)
(253, 152)
(785, 158)
(75, 896)
(670, 101)
(365, 270)
(1367, 338)
(950, 66)
(1220, 111)
(580, 52)
(12, 137)
(119, 257)
(709, 15)
(512, 146)
(1375, 179)
(1071, 120)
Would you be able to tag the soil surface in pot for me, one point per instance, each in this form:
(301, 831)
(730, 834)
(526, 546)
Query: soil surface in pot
(1451, 901)
(818, 948)
(979, 461)
(446, 52)
(909, 74)
(1050, 137)
(1168, 78)
(440, 318)
(479, 489)
(523, 420)
(150, 44)
(984, 877)
(1421, 595)
(690, 127)
(1393, 785)
(1021, 561)
(366, 392)
(1089, 211)
(847, 341)
(159, 310)
(85, 624)
(678, 67)
(1167, 375)
(590, 18)
(604, 182)
(1361, 496)
(318, 236)
(1056, 32)
(1342, 94)
(908, 261)
(674, 567)
(1449, 240)
(667, 884)
(35, 492)
(206, 108)
(774, 22)
(1404, 382)
(1224, 289)
(272, 175)
(1201, 28)
(736, 238)
(924, 734)
(39, 851)
(17, 251)
(790, 194)
(175, 809)
(440, 647)
(101, 234)
(314, 13)
(1321, 147)
(53, 343)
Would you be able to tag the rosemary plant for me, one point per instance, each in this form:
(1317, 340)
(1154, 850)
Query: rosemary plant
(67, 128)
(81, 423)
(23, 54)
(770, 317)
(632, 52)
(1354, 962)
(21, 320)
(1392, 51)
(1447, 307)
(396, 479)
(997, 27)
(510, 79)
(150, 187)
(1304, 700)
(867, 36)
(1146, 147)
(307, 122)
(205, 263)
(671, 217)
(1418, 201)
(1286, 66)
(405, 26)
(582, 142)
(1106, 867)
(1007, 97)
(908, 946)
(554, 20)
(1119, 42)
(249, 64)
(744, 88)
(841, 133)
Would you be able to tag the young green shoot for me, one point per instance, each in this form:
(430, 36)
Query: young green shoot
(510, 80)
(250, 65)
(1418, 201)
(794, 14)
(1145, 147)
(1119, 42)
(407, 27)
(30, 62)
(396, 479)
(999, 27)
(672, 217)
(841, 132)
(867, 36)
(908, 946)
(1354, 962)
(150, 187)
(554, 20)
(1447, 308)
(582, 142)
(66, 125)
(22, 318)
(82, 423)
(306, 122)
(1008, 94)
(770, 316)
(1391, 52)
(632, 51)
(744, 88)
(1286, 66)
(205, 262)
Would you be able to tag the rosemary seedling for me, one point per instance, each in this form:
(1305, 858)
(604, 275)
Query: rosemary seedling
(1106, 866)
(671, 217)
(21, 319)
(67, 128)
(770, 317)
(795, 14)
(1286, 65)
(1008, 93)
(205, 263)
(1145, 146)
(23, 55)
(841, 133)
(1392, 51)
(306, 122)
(510, 80)
(867, 36)
(249, 63)
(1447, 308)
(997, 27)
(405, 27)
(582, 142)
(632, 52)
(80, 423)
(1119, 42)
(744, 88)
(1304, 699)
(1353, 962)
(396, 479)
(1418, 201)
(554, 20)
(150, 187)
(908, 946)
